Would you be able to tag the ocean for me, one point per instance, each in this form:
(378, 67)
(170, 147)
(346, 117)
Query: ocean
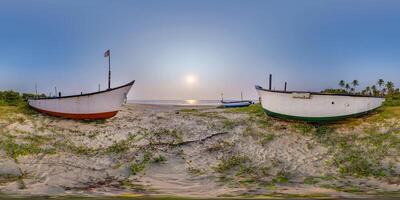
(189, 102)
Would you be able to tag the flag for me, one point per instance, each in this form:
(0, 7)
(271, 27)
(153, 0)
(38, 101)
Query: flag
(107, 53)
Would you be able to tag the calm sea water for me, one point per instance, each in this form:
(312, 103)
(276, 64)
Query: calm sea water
(189, 102)
(178, 102)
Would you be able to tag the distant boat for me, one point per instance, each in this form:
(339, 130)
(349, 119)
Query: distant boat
(233, 104)
(97, 105)
(315, 107)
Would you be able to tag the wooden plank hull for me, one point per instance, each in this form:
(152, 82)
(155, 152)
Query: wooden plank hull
(99, 105)
(315, 107)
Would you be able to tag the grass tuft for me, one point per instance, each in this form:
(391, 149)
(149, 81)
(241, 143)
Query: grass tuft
(230, 162)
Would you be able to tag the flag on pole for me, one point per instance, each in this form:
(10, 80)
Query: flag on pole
(107, 53)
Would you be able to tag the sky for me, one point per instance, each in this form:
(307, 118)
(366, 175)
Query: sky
(197, 49)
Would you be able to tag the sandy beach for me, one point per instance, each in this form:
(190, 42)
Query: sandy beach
(199, 151)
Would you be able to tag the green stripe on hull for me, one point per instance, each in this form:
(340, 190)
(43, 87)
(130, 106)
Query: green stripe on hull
(314, 119)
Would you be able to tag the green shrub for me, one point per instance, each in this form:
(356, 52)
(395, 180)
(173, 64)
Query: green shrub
(392, 99)
(10, 98)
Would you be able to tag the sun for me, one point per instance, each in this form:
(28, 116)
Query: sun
(190, 79)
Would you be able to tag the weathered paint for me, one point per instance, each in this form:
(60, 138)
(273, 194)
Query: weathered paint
(99, 105)
(318, 107)
(105, 115)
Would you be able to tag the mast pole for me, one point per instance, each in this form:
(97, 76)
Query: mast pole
(285, 86)
(270, 81)
(109, 70)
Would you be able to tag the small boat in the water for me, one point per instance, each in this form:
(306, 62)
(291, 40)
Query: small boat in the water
(97, 105)
(235, 104)
(313, 106)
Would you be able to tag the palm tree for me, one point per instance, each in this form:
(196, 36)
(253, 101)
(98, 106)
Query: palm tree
(352, 90)
(380, 83)
(355, 84)
(342, 83)
(347, 87)
(383, 92)
(368, 90)
(390, 87)
(374, 90)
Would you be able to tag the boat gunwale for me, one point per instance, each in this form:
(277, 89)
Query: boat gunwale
(315, 93)
(86, 94)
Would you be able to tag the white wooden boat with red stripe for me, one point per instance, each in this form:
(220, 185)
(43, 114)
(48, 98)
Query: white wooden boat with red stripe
(97, 105)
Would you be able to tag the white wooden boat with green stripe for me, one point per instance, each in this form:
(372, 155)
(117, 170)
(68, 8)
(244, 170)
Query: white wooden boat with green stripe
(315, 107)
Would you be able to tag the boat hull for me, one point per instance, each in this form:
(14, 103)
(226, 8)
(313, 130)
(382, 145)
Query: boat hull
(98, 105)
(315, 107)
(236, 104)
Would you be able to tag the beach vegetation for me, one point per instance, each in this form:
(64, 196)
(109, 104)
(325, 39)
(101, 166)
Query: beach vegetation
(229, 124)
(119, 147)
(322, 131)
(10, 98)
(303, 128)
(253, 110)
(245, 169)
(229, 162)
(219, 145)
(256, 115)
(392, 99)
(83, 150)
(171, 136)
(267, 138)
(194, 171)
(189, 110)
(15, 149)
(311, 180)
(281, 177)
(132, 186)
(360, 155)
(159, 159)
(137, 167)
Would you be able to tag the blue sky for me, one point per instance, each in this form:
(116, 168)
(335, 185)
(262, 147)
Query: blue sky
(226, 46)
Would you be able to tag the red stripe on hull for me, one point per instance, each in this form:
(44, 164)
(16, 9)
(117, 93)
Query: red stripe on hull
(104, 115)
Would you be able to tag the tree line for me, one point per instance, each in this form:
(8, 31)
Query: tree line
(381, 88)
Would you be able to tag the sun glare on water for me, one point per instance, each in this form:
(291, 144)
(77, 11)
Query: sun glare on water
(191, 101)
